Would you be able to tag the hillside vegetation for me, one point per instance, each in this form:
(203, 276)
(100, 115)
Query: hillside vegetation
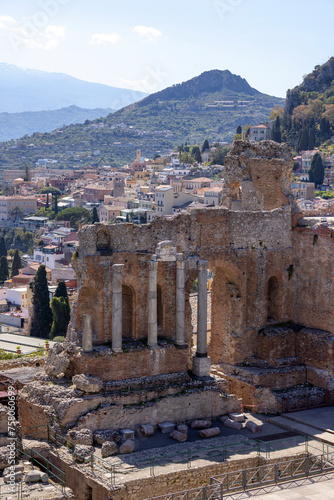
(209, 106)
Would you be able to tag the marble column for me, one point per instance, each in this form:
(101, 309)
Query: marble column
(117, 307)
(180, 302)
(152, 339)
(87, 335)
(201, 362)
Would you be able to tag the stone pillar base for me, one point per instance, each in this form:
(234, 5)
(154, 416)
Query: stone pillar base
(201, 366)
(182, 346)
(117, 349)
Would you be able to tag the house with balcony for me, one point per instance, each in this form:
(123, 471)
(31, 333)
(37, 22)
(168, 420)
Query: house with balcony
(49, 255)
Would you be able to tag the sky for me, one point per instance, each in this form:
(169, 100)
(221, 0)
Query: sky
(149, 45)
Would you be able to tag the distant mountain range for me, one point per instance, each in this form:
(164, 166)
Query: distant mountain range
(16, 125)
(209, 106)
(23, 89)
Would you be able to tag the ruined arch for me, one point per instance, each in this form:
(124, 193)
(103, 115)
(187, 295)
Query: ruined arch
(273, 299)
(128, 312)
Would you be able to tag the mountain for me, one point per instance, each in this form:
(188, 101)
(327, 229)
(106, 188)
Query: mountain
(209, 106)
(23, 89)
(308, 118)
(15, 125)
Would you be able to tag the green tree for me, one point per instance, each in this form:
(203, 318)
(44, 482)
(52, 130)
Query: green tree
(196, 154)
(239, 130)
(55, 193)
(3, 247)
(205, 146)
(42, 315)
(76, 216)
(61, 290)
(17, 264)
(317, 172)
(276, 130)
(3, 269)
(95, 216)
(218, 154)
(61, 316)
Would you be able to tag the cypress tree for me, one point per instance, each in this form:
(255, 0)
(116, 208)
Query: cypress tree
(239, 130)
(42, 314)
(206, 145)
(61, 316)
(3, 269)
(3, 248)
(61, 290)
(95, 216)
(17, 264)
(311, 138)
(317, 172)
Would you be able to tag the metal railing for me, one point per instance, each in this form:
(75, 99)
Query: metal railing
(256, 477)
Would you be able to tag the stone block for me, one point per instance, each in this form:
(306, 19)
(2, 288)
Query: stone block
(145, 430)
(81, 436)
(182, 428)
(83, 453)
(128, 434)
(127, 447)
(109, 448)
(207, 433)
(87, 384)
(233, 425)
(108, 435)
(181, 437)
(253, 427)
(201, 366)
(13, 476)
(200, 424)
(166, 427)
(33, 476)
(237, 417)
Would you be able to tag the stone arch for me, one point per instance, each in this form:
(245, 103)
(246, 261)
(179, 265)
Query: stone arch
(227, 314)
(103, 240)
(273, 299)
(128, 312)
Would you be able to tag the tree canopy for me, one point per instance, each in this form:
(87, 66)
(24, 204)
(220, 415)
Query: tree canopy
(42, 315)
(95, 217)
(76, 216)
(3, 247)
(3, 269)
(316, 172)
(17, 264)
(61, 316)
(61, 290)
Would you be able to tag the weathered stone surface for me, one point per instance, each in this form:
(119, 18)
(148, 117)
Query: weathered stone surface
(166, 427)
(35, 475)
(207, 433)
(179, 436)
(83, 453)
(128, 434)
(127, 447)
(145, 430)
(15, 476)
(237, 417)
(82, 436)
(14, 468)
(57, 362)
(182, 428)
(200, 424)
(3, 419)
(254, 427)
(232, 424)
(3, 457)
(87, 384)
(102, 436)
(108, 449)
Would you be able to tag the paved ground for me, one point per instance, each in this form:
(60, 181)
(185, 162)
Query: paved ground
(9, 342)
(316, 488)
(318, 423)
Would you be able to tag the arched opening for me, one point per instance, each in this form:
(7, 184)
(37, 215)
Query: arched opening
(127, 312)
(160, 309)
(273, 299)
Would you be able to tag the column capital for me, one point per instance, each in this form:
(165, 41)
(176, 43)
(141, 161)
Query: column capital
(202, 265)
(153, 265)
(117, 268)
(179, 256)
(180, 264)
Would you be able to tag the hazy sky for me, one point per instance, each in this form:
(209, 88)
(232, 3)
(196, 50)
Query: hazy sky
(151, 44)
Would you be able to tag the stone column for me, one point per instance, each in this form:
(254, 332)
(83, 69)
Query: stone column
(117, 307)
(87, 335)
(180, 302)
(201, 362)
(152, 304)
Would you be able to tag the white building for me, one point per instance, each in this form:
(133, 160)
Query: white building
(48, 255)
(18, 296)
